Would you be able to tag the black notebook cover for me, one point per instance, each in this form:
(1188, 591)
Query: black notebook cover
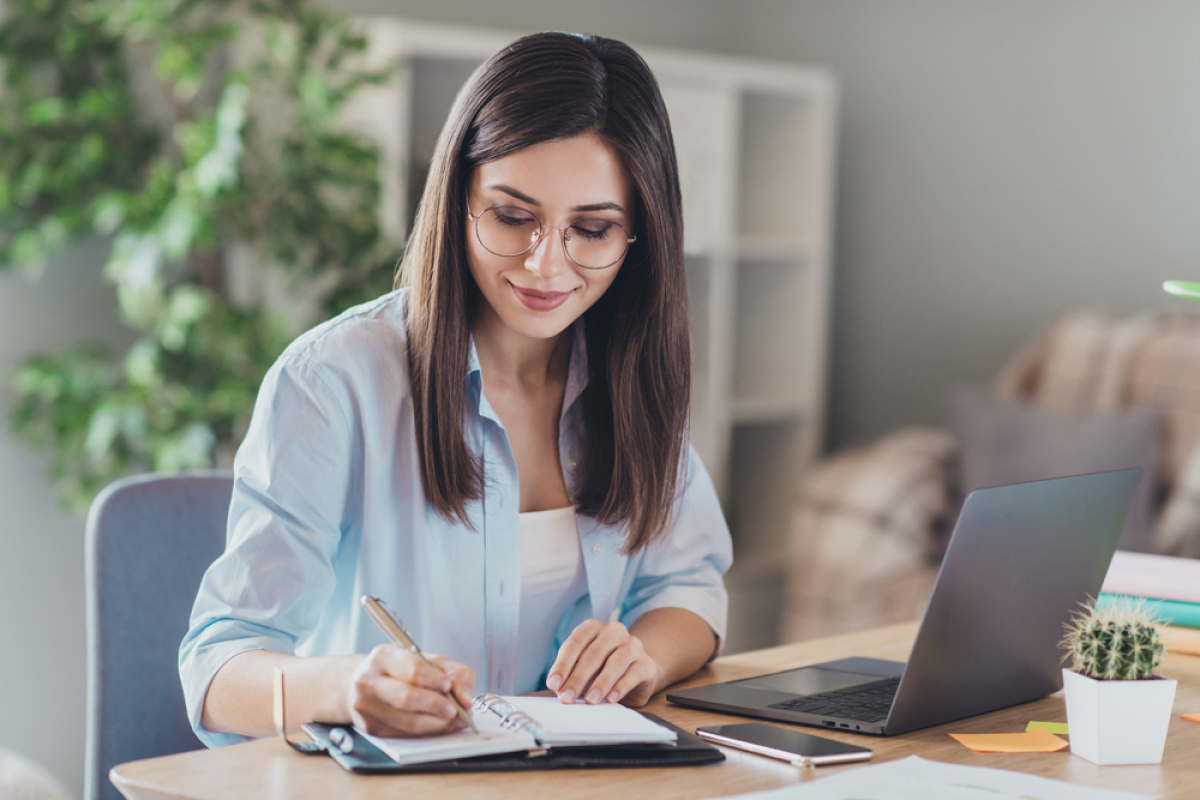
(688, 750)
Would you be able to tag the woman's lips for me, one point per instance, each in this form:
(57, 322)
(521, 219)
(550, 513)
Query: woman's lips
(540, 301)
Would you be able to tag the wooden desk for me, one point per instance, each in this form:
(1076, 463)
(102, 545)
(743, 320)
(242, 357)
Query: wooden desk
(268, 770)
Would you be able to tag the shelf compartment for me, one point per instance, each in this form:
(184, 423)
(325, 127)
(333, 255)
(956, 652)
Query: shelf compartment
(435, 83)
(772, 248)
(777, 339)
(756, 593)
(763, 488)
(699, 282)
(768, 410)
(778, 194)
(698, 151)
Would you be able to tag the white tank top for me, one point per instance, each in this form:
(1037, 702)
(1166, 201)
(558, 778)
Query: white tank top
(552, 580)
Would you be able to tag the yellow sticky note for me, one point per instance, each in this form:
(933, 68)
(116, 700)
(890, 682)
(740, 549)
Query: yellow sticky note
(1190, 717)
(1038, 740)
(1053, 727)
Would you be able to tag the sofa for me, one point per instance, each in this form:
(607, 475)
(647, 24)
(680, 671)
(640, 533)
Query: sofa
(1094, 390)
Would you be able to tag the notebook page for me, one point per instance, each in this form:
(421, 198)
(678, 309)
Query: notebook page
(490, 740)
(582, 724)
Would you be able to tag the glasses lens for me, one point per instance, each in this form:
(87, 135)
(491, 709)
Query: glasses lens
(512, 231)
(596, 243)
(508, 230)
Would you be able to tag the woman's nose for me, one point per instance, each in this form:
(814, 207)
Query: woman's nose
(549, 256)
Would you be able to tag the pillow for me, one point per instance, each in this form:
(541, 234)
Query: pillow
(1005, 441)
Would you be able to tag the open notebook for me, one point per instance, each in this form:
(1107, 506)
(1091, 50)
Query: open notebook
(514, 724)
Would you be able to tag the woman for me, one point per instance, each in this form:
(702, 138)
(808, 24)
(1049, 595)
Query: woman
(498, 449)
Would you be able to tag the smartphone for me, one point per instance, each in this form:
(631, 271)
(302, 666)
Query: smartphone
(797, 747)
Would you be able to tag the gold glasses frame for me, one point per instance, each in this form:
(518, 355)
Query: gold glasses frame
(543, 229)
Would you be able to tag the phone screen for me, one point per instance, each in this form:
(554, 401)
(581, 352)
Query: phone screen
(785, 743)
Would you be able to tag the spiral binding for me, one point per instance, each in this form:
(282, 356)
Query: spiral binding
(510, 718)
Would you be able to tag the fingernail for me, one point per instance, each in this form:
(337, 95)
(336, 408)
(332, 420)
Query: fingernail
(553, 682)
(568, 696)
(593, 696)
(612, 696)
(445, 684)
(447, 711)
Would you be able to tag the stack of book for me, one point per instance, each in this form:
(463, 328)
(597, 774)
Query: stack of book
(1171, 584)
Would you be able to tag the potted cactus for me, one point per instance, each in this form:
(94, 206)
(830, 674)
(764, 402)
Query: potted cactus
(1118, 709)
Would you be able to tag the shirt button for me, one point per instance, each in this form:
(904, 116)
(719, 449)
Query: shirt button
(574, 462)
(597, 549)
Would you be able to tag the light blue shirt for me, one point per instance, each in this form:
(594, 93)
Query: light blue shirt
(328, 505)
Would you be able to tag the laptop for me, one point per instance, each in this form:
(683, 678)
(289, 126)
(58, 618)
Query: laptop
(1021, 559)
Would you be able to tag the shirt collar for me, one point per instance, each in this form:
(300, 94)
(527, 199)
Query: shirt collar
(474, 380)
(577, 373)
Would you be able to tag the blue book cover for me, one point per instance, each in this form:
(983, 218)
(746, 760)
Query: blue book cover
(1173, 612)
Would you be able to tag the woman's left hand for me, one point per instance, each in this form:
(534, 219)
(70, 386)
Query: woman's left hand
(604, 663)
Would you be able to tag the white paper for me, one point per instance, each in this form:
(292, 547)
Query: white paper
(581, 723)
(490, 740)
(1149, 575)
(914, 778)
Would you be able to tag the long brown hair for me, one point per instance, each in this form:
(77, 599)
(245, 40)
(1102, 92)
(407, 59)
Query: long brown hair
(635, 408)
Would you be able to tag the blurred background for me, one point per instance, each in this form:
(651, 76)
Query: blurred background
(994, 165)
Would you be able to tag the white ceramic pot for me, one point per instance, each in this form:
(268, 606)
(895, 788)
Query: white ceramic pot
(1118, 722)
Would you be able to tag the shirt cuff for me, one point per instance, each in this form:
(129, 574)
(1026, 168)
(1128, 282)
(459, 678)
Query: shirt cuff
(710, 603)
(198, 668)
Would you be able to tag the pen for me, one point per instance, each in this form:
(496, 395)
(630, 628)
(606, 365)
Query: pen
(400, 637)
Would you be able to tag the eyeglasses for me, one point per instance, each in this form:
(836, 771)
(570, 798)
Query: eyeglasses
(592, 243)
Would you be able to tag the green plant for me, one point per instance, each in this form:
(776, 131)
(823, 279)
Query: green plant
(183, 131)
(1115, 640)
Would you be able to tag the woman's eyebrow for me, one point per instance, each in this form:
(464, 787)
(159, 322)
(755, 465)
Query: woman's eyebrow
(600, 207)
(524, 198)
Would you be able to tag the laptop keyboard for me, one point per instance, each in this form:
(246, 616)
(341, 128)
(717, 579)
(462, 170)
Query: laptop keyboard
(869, 703)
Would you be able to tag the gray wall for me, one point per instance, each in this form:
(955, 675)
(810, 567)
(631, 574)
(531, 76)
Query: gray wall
(1001, 161)
(692, 24)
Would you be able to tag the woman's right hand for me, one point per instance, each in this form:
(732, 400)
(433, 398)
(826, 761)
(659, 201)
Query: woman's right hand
(397, 693)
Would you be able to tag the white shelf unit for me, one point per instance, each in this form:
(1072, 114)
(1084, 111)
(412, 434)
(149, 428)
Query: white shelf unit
(756, 148)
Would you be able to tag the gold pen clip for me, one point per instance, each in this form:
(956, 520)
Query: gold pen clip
(395, 618)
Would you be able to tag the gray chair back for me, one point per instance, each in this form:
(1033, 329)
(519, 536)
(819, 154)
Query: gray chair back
(149, 540)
